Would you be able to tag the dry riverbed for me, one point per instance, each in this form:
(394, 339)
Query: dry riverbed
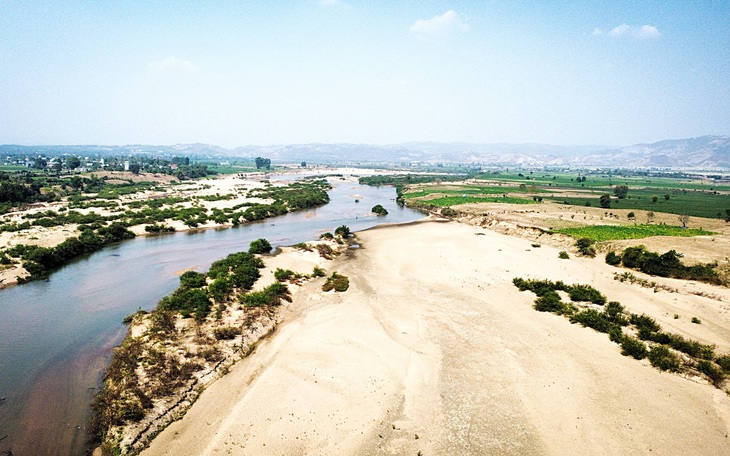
(434, 350)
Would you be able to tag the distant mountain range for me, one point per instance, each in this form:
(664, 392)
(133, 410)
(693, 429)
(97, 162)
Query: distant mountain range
(705, 152)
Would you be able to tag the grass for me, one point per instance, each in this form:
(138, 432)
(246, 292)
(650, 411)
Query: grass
(612, 233)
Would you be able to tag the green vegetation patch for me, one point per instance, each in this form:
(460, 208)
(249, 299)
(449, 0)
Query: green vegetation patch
(662, 347)
(667, 264)
(447, 201)
(613, 233)
(337, 282)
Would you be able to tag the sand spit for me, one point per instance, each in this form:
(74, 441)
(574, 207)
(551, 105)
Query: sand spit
(433, 349)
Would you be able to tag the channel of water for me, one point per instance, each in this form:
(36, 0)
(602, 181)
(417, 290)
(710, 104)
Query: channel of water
(56, 336)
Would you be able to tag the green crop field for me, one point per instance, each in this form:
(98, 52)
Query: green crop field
(13, 168)
(614, 233)
(454, 200)
(602, 181)
(469, 190)
(693, 203)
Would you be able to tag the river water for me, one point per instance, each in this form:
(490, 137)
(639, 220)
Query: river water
(56, 336)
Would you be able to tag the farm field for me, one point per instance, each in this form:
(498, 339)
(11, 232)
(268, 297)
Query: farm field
(613, 233)
(695, 198)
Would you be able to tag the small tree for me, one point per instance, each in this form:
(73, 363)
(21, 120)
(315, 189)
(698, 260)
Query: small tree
(631, 216)
(343, 231)
(649, 216)
(605, 201)
(621, 191)
(259, 246)
(654, 199)
(684, 219)
(73, 162)
(585, 247)
(380, 210)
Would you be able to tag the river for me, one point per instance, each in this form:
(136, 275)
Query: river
(56, 336)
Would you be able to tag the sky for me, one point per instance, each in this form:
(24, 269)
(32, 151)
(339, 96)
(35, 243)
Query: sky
(236, 73)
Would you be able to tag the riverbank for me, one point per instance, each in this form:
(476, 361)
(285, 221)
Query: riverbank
(166, 361)
(47, 324)
(219, 202)
(434, 350)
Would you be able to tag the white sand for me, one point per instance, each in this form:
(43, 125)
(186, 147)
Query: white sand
(433, 349)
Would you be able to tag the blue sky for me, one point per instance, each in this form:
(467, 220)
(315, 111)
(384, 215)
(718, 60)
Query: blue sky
(241, 72)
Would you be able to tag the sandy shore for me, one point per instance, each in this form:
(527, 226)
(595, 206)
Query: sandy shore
(432, 349)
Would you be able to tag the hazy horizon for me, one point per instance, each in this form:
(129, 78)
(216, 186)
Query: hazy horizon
(352, 72)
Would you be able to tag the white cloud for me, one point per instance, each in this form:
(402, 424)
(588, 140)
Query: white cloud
(643, 32)
(174, 63)
(620, 30)
(648, 31)
(448, 22)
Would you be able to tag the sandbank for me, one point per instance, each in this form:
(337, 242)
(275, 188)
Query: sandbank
(433, 350)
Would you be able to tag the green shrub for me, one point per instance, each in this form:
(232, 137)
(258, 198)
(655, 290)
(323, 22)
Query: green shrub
(226, 332)
(303, 246)
(192, 279)
(380, 210)
(259, 246)
(325, 251)
(591, 318)
(343, 231)
(336, 282)
(691, 347)
(563, 255)
(586, 293)
(163, 321)
(712, 370)
(696, 320)
(550, 302)
(616, 334)
(614, 312)
(269, 296)
(187, 301)
(318, 272)
(724, 362)
(585, 247)
(282, 275)
(633, 347)
(644, 322)
(612, 258)
(662, 358)
(155, 228)
(220, 288)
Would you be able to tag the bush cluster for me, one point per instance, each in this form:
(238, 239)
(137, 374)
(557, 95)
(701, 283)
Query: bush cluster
(613, 318)
(336, 282)
(259, 246)
(665, 265)
(40, 261)
(269, 296)
(379, 210)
